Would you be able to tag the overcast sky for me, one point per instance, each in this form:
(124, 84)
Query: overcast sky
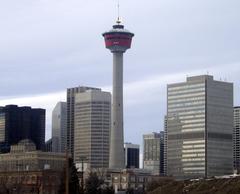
(47, 46)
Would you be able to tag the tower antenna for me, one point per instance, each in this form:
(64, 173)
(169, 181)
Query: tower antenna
(118, 19)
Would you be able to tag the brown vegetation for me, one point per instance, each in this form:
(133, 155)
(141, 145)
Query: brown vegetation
(213, 186)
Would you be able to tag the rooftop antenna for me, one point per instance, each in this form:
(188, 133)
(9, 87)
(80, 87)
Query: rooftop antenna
(118, 19)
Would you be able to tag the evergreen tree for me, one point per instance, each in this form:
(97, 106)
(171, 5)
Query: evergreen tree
(93, 184)
(73, 181)
(74, 187)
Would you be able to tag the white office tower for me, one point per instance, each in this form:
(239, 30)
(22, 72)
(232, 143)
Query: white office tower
(59, 127)
(153, 153)
(92, 116)
(199, 128)
(236, 139)
(71, 92)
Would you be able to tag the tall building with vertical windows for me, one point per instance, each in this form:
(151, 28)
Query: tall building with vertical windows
(18, 123)
(92, 117)
(236, 139)
(131, 152)
(59, 127)
(153, 153)
(199, 128)
(165, 147)
(71, 92)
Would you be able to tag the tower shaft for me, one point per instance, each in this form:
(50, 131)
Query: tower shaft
(117, 40)
(116, 148)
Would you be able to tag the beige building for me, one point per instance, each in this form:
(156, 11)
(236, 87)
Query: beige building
(92, 117)
(71, 92)
(25, 157)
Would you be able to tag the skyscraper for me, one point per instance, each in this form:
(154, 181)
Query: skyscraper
(199, 128)
(92, 117)
(71, 92)
(153, 152)
(236, 139)
(117, 40)
(165, 147)
(18, 123)
(59, 127)
(132, 152)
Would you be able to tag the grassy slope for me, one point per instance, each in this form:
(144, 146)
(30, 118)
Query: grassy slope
(216, 186)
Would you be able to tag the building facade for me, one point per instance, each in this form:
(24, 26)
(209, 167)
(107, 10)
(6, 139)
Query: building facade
(165, 147)
(236, 139)
(199, 128)
(92, 128)
(132, 152)
(31, 182)
(153, 153)
(71, 92)
(59, 127)
(48, 145)
(24, 157)
(17, 123)
(27, 170)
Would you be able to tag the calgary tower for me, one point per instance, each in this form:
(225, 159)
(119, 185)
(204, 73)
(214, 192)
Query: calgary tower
(117, 40)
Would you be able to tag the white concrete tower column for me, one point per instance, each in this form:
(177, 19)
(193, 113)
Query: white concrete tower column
(116, 142)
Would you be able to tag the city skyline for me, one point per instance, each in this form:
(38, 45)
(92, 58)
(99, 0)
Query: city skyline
(195, 46)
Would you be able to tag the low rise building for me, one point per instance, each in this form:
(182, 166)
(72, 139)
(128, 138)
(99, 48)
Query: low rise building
(25, 157)
(27, 170)
(31, 182)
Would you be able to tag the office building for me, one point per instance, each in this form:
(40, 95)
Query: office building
(59, 127)
(71, 92)
(236, 139)
(132, 152)
(92, 128)
(153, 153)
(48, 145)
(118, 40)
(18, 123)
(199, 128)
(165, 147)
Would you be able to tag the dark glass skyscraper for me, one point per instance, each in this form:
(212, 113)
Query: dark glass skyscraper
(18, 123)
(131, 155)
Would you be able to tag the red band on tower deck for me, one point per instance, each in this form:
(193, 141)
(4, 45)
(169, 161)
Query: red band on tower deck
(124, 43)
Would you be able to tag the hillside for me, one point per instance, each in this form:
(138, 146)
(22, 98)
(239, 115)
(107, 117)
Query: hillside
(211, 186)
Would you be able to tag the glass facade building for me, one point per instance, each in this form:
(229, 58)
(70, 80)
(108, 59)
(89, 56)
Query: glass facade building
(153, 153)
(59, 127)
(18, 123)
(199, 128)
(131, 152)
(236, 139)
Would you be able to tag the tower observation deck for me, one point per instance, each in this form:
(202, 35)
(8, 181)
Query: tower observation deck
(117, 40)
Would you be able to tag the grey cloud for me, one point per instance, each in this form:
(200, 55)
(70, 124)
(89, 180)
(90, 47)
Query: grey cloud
(47, 46)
